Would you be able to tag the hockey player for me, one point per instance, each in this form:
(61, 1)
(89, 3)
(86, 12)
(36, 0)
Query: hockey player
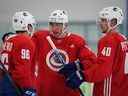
(18, 53)
(109, 71)
(50, 81)
(3, 78)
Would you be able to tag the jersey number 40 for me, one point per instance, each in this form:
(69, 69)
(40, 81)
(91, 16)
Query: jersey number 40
(106, 51)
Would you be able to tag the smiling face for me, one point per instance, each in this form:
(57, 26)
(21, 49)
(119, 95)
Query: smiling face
(106, 25)
(110, 18)
(103, 24)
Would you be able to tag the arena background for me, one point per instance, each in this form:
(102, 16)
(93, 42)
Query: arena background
(82, 16)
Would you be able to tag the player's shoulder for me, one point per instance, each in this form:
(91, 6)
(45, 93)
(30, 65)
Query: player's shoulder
(20, 39)
(112, 37)
(40, 33)
(120, 36)
(77, 38)
(117, 36)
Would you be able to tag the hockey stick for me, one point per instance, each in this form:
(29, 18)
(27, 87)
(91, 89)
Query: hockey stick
(56, 50)
(58, 55)
(3, 68)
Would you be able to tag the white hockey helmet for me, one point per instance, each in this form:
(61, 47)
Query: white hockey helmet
(21, 20)
(110, 13)
(58, 16)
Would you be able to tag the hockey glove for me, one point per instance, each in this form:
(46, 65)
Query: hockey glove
(70, 68)
(29, 92)
(75, 80)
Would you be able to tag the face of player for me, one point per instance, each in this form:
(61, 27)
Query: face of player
(56, 29)
(103, 24)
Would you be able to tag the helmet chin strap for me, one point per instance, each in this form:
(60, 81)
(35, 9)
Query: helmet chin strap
(64, 31)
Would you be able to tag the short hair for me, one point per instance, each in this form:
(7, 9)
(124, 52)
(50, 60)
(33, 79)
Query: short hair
(6, 35)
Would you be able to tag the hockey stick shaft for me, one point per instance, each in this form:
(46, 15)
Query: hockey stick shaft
(51, 42)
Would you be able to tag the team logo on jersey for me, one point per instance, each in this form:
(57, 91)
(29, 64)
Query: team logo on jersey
(53, 62)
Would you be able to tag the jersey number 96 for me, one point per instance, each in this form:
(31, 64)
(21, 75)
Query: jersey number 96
(25, 54)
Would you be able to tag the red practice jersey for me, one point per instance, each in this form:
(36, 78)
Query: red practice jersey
(109, 72)
(18, 53)
(50, 82)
